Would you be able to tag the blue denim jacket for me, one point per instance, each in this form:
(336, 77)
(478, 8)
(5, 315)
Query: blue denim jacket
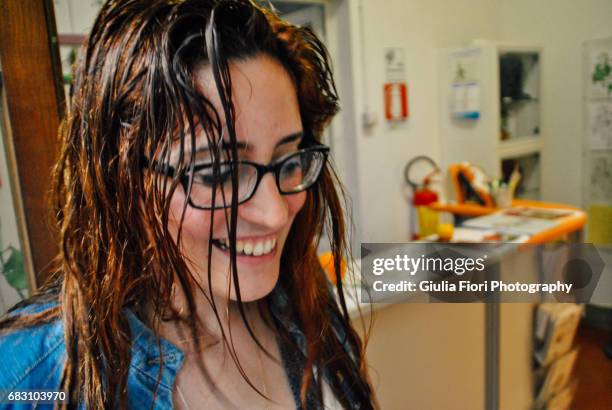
(33, 358)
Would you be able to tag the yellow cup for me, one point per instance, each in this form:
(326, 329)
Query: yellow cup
(445, 232)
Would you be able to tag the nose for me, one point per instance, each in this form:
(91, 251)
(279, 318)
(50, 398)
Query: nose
(267, 208)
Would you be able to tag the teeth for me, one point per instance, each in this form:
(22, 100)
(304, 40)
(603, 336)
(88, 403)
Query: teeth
(250, 248)
(268, 246)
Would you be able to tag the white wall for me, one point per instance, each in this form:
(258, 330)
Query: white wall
(75, 16)
(421, 28)
(560, 27)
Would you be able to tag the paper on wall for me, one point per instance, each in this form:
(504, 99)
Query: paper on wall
(395, 65)
(600, 74)
(600, 176)
(600, 125)
(464, 86)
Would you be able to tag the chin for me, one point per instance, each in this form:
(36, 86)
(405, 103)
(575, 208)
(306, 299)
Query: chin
(257, 278)
(255, 285)
(258, 271)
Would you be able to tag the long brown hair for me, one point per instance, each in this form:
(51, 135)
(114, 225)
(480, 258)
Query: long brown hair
(135, 95)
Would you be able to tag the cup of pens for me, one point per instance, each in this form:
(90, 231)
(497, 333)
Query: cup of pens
(503, 192)
(502, 195)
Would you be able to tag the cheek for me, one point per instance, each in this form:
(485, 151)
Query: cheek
(196, 223)
(295, 203)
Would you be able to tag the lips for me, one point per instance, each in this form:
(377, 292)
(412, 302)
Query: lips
(248, 247)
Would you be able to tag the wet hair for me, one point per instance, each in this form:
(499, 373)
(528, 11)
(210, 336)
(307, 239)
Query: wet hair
(135, 98)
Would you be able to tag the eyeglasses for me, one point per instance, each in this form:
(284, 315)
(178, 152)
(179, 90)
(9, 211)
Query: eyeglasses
(295, 172)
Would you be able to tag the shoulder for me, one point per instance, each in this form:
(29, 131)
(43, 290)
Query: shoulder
(32, 357)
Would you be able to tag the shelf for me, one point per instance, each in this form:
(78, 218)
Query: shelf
(505, 48)
(521, 146)
(508, 100)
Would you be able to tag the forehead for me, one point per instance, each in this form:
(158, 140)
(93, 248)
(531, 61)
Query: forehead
(264, 98)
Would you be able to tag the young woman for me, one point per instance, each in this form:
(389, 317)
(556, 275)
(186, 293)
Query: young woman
(191, 194)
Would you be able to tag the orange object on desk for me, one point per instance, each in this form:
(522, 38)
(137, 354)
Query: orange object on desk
(470, 182)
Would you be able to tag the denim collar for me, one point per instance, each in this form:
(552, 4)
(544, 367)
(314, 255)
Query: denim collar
(147, 347)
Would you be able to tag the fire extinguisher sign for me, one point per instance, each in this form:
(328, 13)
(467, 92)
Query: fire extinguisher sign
(395, 88)
(396, 101)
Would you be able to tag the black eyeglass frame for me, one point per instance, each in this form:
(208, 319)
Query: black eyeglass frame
(274, 167)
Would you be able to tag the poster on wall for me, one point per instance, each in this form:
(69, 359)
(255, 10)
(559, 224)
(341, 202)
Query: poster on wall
(600, 125)
(464, 96)
(600, 184)
(597, 145)
(395, 65)
(600, 74)
(396, 87)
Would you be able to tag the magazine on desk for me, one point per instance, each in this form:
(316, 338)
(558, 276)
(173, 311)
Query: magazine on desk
(520, 221)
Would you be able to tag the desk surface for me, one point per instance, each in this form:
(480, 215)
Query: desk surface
(563, 226)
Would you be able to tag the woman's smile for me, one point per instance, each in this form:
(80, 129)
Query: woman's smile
(250, 249)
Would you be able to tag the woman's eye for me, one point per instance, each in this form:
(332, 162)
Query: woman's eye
(209, 178)
(292, 165)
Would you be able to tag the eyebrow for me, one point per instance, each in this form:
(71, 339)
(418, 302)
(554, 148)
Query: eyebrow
(243, 145)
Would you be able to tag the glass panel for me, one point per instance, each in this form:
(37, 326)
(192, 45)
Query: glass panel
(520, 95)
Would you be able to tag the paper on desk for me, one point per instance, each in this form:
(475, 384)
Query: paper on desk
(471, 235)
(510, 224)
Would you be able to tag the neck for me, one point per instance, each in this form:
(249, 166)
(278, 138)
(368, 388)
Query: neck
(210, 328)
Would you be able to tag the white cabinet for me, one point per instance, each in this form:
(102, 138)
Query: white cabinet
(500, 83)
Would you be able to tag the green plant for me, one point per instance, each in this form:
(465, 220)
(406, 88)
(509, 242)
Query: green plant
(603, 71)
(13, 269)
